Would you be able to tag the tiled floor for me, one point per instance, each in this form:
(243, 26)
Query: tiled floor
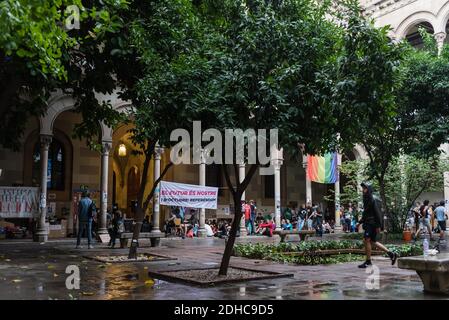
(37, 271)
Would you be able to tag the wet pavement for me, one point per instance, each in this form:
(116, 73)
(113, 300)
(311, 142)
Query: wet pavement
(31, 270)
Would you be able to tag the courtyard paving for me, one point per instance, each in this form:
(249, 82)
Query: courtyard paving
(31, 270)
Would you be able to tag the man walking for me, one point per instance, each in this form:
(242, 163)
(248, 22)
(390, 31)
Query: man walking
(371, 219)
(440, 213)
(86, 210)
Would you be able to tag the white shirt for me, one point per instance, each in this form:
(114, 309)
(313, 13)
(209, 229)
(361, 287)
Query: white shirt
(209, 231)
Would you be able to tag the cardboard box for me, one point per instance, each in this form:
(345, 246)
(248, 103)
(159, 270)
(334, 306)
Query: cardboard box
(58, 230)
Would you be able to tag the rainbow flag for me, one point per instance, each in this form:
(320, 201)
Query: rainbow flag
(323, 169)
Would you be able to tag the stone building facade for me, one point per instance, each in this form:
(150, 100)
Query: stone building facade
(114, 173)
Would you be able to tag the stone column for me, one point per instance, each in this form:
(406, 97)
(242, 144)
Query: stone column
(308, 182)
(446, 195)
(106, 147)
(337, 195)
(202, 230)
(276, 161)
(42, 232)
(157, 173)
(440, 37)
(242, 173)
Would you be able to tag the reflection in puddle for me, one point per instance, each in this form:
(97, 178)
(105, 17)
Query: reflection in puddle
(279, 294)
(121, 282)
(242, 291)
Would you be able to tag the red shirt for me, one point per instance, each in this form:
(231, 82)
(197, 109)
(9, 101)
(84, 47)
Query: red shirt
(247, 211)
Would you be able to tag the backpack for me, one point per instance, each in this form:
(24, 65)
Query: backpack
(91, 210)
(378, 209)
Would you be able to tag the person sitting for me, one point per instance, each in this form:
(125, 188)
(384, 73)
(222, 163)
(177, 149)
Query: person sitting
(189, 233)
(222, 230)
(209, 230)
(286, 225)
(170, 223)
(266, 228)
(259, 218)
(327, 227)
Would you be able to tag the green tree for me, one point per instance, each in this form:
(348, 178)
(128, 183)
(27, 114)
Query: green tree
(406, 179)
(412, 116)
(173, 42)
(285, 66)
(39, 55)
(369, 69)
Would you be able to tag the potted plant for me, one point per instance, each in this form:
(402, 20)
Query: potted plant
(407, 234)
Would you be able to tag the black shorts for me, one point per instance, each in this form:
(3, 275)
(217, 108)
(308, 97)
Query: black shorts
(370, 232)
(442, 225)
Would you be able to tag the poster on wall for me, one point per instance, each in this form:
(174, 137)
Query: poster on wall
(188, 195)
(19, 202)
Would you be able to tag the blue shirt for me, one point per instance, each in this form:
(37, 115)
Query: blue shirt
(440, 213)
(83, 209)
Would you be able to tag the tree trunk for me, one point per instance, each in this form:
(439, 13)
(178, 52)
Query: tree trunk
(232, 234)
(237, 197)
(136, 232)
(142, 208)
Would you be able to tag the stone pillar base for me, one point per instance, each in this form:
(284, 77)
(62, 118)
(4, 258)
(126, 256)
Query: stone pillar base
(157, 232)
(435, 282)
(103, 231)
(202, 233)
(41, 237)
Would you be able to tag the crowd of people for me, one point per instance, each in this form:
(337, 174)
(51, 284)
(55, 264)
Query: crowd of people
(187, 226)
(308, 217)
(256, 222)
(427, 218)
(349, 218)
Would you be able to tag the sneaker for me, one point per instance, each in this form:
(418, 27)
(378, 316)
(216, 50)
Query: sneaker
(365, 265)
(79, 247)
(393, 256)
(90, 246)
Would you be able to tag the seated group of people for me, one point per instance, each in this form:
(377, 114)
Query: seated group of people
(181, 226)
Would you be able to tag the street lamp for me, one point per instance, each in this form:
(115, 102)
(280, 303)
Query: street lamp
(122, 150)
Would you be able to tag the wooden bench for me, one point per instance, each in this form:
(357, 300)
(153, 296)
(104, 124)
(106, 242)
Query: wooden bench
(303, 234)
(154, 238)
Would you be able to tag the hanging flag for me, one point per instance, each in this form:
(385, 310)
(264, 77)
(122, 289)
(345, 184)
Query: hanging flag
(323, 169)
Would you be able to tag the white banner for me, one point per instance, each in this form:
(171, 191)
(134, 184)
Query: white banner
(188, 195)
(19, 202)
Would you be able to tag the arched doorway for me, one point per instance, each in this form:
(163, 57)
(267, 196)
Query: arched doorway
(414, 37)
(133, 189)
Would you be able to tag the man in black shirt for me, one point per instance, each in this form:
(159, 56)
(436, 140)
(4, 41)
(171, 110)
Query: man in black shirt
(371, 219)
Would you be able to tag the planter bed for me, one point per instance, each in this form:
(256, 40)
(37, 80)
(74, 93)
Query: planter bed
(331, 252)
(143, 257)
(209, 276)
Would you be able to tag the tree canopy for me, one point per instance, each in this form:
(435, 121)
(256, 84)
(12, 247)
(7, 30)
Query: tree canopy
(39, 55)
